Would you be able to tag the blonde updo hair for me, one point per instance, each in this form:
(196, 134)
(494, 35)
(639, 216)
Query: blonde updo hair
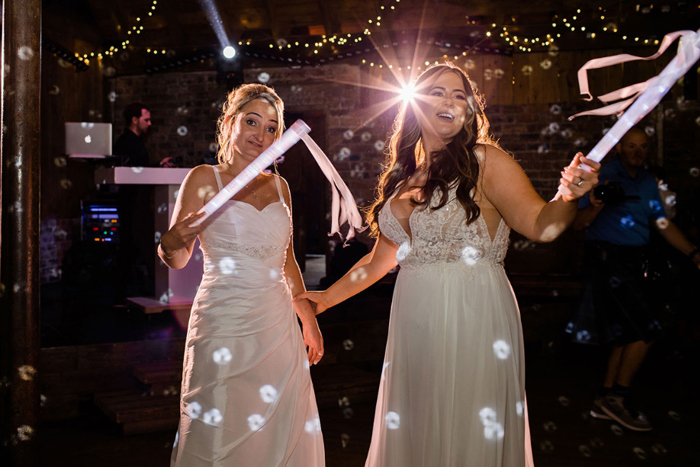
(235, 101)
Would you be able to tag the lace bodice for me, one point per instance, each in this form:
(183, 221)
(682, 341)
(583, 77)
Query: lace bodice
(443, 237)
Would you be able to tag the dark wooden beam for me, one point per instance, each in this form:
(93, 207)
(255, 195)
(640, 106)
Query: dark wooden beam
(331, 19)
(19, 253)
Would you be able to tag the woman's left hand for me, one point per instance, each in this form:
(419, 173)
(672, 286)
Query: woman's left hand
(576, 181)
(313, 341)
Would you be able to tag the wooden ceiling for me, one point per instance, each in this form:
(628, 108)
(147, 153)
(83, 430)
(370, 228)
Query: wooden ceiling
(181, 27)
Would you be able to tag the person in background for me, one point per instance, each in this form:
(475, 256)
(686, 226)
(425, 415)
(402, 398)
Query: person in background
(617, 306)
(130, 146)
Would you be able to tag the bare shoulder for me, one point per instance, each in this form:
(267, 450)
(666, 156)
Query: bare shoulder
(490, 155)
(200, 175)
(286, 192)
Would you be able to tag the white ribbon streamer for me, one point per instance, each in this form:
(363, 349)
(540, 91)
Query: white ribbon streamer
(343, 204)
(644, 96)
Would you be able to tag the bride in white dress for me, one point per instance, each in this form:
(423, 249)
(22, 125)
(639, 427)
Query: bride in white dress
(452, 391)
(247, 398)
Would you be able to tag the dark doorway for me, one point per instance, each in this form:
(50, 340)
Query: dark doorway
(309, 188)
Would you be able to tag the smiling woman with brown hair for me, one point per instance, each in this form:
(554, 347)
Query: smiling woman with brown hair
(453, 384)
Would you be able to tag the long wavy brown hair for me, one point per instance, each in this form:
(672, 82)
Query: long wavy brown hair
(454, 164)
(235, 100)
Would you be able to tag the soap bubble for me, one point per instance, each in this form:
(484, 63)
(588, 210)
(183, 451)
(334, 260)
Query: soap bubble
(222, 356)
(392, 420)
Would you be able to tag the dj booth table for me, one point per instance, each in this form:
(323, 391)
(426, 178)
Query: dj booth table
(174, 288)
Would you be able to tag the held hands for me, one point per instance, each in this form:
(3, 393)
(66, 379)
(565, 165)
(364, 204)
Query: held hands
(575, 180)
(319, 301)
(181, 235)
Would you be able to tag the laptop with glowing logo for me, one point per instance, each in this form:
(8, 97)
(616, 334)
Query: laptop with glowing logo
(88, 140)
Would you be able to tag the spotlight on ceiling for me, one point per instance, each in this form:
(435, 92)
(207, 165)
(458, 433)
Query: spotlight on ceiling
(229, 52)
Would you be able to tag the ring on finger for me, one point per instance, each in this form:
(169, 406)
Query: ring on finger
(580, 183)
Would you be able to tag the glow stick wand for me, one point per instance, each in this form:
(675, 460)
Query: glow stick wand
(288, 139)
(651, 92)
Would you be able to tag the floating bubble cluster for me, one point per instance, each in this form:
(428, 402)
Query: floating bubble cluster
(627, 222)
(344, 153)
(25, 433)
(26, 372)
(25, 53)
(549, 426)
(182, 130)
(256, 422)
(393, 421)
(492, 429)
(616, 429)
(348, 344)
(213, 417)
(527, 70)
(313, 426)
(585, 450)
(596, 442)
(640, 453)
(546, 64)
(384, 367)
(471, 255)
(227, 265)
(403, 251)
(501, 349)
(222, 356)
(546, 446)
(264, 77)
(348, 134)
(583, 336)
(366, 136)
(194, 409)
(268, 393)
(659, 449)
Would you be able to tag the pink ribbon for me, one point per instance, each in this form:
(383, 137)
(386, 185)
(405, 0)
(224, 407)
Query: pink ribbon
(629, 93)
(343, 207)
(640, 97)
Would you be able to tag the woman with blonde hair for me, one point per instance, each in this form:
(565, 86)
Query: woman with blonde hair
(452, 391)
(247, 397)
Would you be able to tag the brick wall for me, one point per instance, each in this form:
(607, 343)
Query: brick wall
(57, 235)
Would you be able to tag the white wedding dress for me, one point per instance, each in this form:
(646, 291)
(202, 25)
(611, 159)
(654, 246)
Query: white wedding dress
(247, 398)
(452, 392)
